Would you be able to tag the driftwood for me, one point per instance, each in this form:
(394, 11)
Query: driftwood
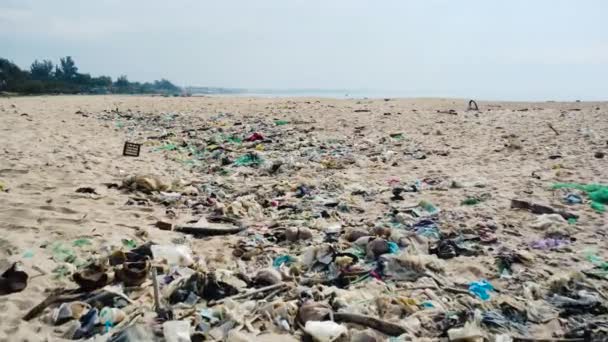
(161, 137)
(459, 291)
(384, 327)
(208, 231)
(248, 294)
(58, 296)
(102, 295)
(451, 112)
(540, 209)
(553, 129)
(202, 228)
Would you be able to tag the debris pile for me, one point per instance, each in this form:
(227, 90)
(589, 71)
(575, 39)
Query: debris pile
(317, 252)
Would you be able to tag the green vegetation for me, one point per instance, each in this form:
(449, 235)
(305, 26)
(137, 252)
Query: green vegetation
(46, 78)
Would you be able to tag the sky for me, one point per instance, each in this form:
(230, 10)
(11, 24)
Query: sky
(482, 49)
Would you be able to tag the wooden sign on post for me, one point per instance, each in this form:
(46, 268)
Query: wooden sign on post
(131, 149)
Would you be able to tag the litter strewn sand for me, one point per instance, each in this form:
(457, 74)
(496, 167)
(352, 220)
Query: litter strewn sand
(52, 145)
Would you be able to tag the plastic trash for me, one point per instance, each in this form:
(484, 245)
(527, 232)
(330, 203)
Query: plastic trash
(283, 260)
(210, 315)
(581, 302)
(428, 206)
(481, 289)
(573, 199)
(549, 243)
(471, 332)
(69, 311)
(87, 325)
(599, 207)
(255, 137)
(600, 195)
(428, 229)
(326, 331)
(281, 122)
(134, 333)
(597, 193)
(250, 159)
(470, 201)
(13, 280)
(62, 254)
(61, 271)
(174, 255)
(167, 147)
(129, 243)
(498, 320)
(596, 260)
(176, 331)
(109, 317)
(234, 140)
(393, 247)
(81, 242)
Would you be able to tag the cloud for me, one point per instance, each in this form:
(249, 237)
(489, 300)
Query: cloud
(34, 22)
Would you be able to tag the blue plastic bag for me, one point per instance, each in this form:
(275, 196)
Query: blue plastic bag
(481, 289)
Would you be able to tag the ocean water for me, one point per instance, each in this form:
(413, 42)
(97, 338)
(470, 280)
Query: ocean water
(333, 94)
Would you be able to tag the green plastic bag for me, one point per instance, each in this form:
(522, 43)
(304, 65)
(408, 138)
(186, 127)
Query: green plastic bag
(167, 147)
(597, 193)
(60, 271)
(235, 140)
(250, 159)
(428, 206)
(129, 243)
(596, 260)
(81, 242)
(599, 207)
(62, 254)
(470, 201)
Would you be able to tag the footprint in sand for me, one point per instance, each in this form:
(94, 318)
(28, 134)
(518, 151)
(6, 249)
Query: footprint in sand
(61, 221)
(62, 210)
(13, 172)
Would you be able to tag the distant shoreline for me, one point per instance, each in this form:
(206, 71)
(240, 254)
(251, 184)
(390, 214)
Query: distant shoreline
(302, 97)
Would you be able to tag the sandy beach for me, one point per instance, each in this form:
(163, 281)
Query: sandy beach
(53, 145)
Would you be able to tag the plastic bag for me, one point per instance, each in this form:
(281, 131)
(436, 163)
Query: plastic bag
(176, 331)
(175, 255)
(481, 289)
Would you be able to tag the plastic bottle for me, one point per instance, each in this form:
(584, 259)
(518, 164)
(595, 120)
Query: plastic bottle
(177, 255)
(176, 331)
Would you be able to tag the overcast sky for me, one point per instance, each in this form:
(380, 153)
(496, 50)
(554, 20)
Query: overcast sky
(516, 49)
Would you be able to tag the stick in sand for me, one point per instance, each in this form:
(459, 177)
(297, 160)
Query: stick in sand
(554, 130)
(248, 294)
(156, 290)
(387, 328)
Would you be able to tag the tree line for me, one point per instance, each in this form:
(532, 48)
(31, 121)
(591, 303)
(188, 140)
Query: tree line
(44, 77)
